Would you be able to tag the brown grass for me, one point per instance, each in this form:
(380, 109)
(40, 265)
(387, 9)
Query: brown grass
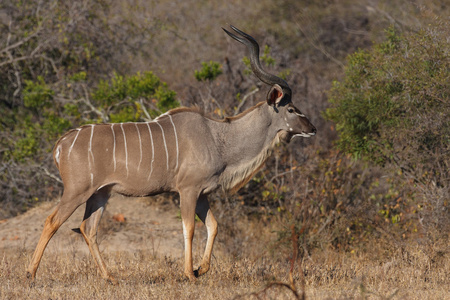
(416, 272)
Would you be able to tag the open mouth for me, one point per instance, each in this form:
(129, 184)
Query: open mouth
(287, 136)
(304, 134)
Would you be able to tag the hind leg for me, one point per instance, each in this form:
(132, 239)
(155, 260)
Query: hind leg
(93, 214)
(67, 205)
(204, 213)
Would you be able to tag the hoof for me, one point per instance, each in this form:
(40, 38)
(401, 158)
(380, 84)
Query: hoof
(201, 270)
(30, 278)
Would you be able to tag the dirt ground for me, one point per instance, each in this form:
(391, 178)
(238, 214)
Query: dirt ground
(146, 226)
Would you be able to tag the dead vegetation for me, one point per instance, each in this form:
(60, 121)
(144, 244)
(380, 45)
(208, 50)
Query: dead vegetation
(384, 273)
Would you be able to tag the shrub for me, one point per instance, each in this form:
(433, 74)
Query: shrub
(131, 92)
(209, 71)
(393, 109)
(393, 104)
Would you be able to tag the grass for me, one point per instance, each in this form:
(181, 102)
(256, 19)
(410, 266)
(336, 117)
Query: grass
(409, 274)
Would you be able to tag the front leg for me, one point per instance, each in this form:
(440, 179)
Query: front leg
(188, 202)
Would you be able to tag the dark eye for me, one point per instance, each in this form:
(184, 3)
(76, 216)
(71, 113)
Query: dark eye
(290, 109)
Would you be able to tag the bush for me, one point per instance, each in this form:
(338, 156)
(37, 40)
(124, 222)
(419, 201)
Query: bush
(133, 93)
(393, 109)
(393, 104)
(209, 71)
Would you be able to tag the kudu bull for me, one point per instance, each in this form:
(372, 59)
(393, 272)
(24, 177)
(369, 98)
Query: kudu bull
(182, 151)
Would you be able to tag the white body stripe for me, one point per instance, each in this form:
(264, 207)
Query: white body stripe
(91, 154)
(165, 145)
(153, 151)
(114, 146)
(140, 146)
(125, 145)
(73, 143)
(176, 139)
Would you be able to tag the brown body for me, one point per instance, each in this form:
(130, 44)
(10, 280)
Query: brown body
(181, 151)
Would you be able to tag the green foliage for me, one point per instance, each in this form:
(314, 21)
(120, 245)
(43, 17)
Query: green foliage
(37, 94)
(77, 77)
(36, 126)
(27, 142)
(209, 71)
(129, 91)
(266, 58)
(393, 103)
(284, 74)
(54, 125)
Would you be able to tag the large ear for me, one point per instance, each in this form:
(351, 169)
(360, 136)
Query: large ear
(275, 95)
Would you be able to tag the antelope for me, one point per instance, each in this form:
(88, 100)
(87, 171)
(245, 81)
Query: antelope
(181, 151)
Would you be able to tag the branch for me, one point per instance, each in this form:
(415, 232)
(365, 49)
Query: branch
(13, 61)
(92, 107)
(236, 111)
(20, 43)
(52, 62)
(148, 118)
(52, 176)
(17, 74)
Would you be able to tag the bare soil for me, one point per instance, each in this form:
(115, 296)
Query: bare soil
(147, 227)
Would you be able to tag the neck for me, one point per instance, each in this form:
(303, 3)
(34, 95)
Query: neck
(247, 142)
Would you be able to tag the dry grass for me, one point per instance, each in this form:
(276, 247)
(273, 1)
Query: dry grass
(409, 274)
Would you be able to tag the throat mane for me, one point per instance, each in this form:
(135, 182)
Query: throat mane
(235, 177)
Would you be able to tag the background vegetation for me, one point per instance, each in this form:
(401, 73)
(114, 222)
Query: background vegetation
(373, 76)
